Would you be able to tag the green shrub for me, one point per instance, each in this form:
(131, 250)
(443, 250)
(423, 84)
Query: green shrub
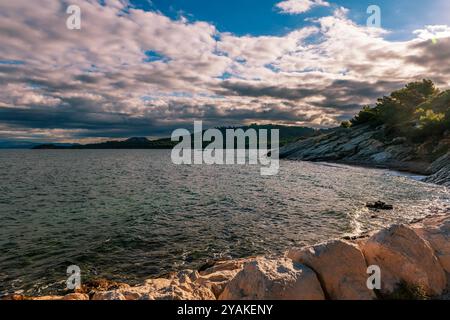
(417, 111)
(346, 124)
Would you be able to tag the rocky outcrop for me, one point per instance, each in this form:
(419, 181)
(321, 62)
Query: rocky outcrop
(369, 146)
(415, 256)
(436, 230)
(340, 266)
(70, 296)
(359, 145)
(273, 279)
(181, 286)
(217, 276)
(403, 255)
(441, 171)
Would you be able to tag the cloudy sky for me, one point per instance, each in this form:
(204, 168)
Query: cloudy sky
(144, 68)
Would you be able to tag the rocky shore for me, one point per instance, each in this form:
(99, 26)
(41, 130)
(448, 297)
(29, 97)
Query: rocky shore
(414, 261)
(368, 146)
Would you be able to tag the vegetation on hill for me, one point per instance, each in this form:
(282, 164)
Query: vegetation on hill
(418, 112)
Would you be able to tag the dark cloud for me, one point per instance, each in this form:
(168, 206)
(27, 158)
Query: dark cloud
(342, 94)
(433, 56)
(101, 82)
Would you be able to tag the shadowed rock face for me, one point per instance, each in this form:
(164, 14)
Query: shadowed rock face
(418, 255)
(366, 145)
(359, 145)
(441, 171)
(341, 268)
(404, 256)
(436, 231)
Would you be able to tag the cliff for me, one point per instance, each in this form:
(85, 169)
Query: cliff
(369, 146)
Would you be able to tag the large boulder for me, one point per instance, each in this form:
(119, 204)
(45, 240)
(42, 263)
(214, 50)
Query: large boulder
(340, 266)
(404, 256)
(273, 279)
(436, 230)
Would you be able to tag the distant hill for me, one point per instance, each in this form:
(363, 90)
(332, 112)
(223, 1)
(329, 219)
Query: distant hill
(287, 134)
(13, 144)
(132, 143)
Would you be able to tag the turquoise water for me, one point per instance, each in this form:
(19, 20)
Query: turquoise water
(131, 214)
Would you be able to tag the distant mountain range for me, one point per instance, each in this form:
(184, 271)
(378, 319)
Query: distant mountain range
(132, 143)
(287, 134)
(13, 144)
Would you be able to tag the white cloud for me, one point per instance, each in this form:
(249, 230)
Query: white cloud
(300, 6)
(433, 32)
(96, 79)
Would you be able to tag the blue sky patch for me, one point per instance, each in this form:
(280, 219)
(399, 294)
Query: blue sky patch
(153, 56)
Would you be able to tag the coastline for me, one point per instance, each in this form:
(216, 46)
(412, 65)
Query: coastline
(414, 260)
(335, 269)
(361, 146)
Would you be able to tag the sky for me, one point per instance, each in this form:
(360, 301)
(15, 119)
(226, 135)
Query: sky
(148, 67)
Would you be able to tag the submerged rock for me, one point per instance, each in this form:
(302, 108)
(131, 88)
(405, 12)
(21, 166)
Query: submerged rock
(379, 205)
(403, 256)
(273, 279)
(340, 266)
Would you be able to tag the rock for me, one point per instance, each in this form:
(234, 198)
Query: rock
(15, 297)
(341, 269)
(76, 296)
(399, 140)
(175, 291)
(71, 296)
(100, 285)
(369, 146)
(225, 265)
(180, 286)
(269, 279)
(381, 157)
(46, 298)
(183, 286)
(440, 170)
(379, 205)
(217, 281)
(404, 256)
(436, 230)
(108, 295)
(216, 276)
